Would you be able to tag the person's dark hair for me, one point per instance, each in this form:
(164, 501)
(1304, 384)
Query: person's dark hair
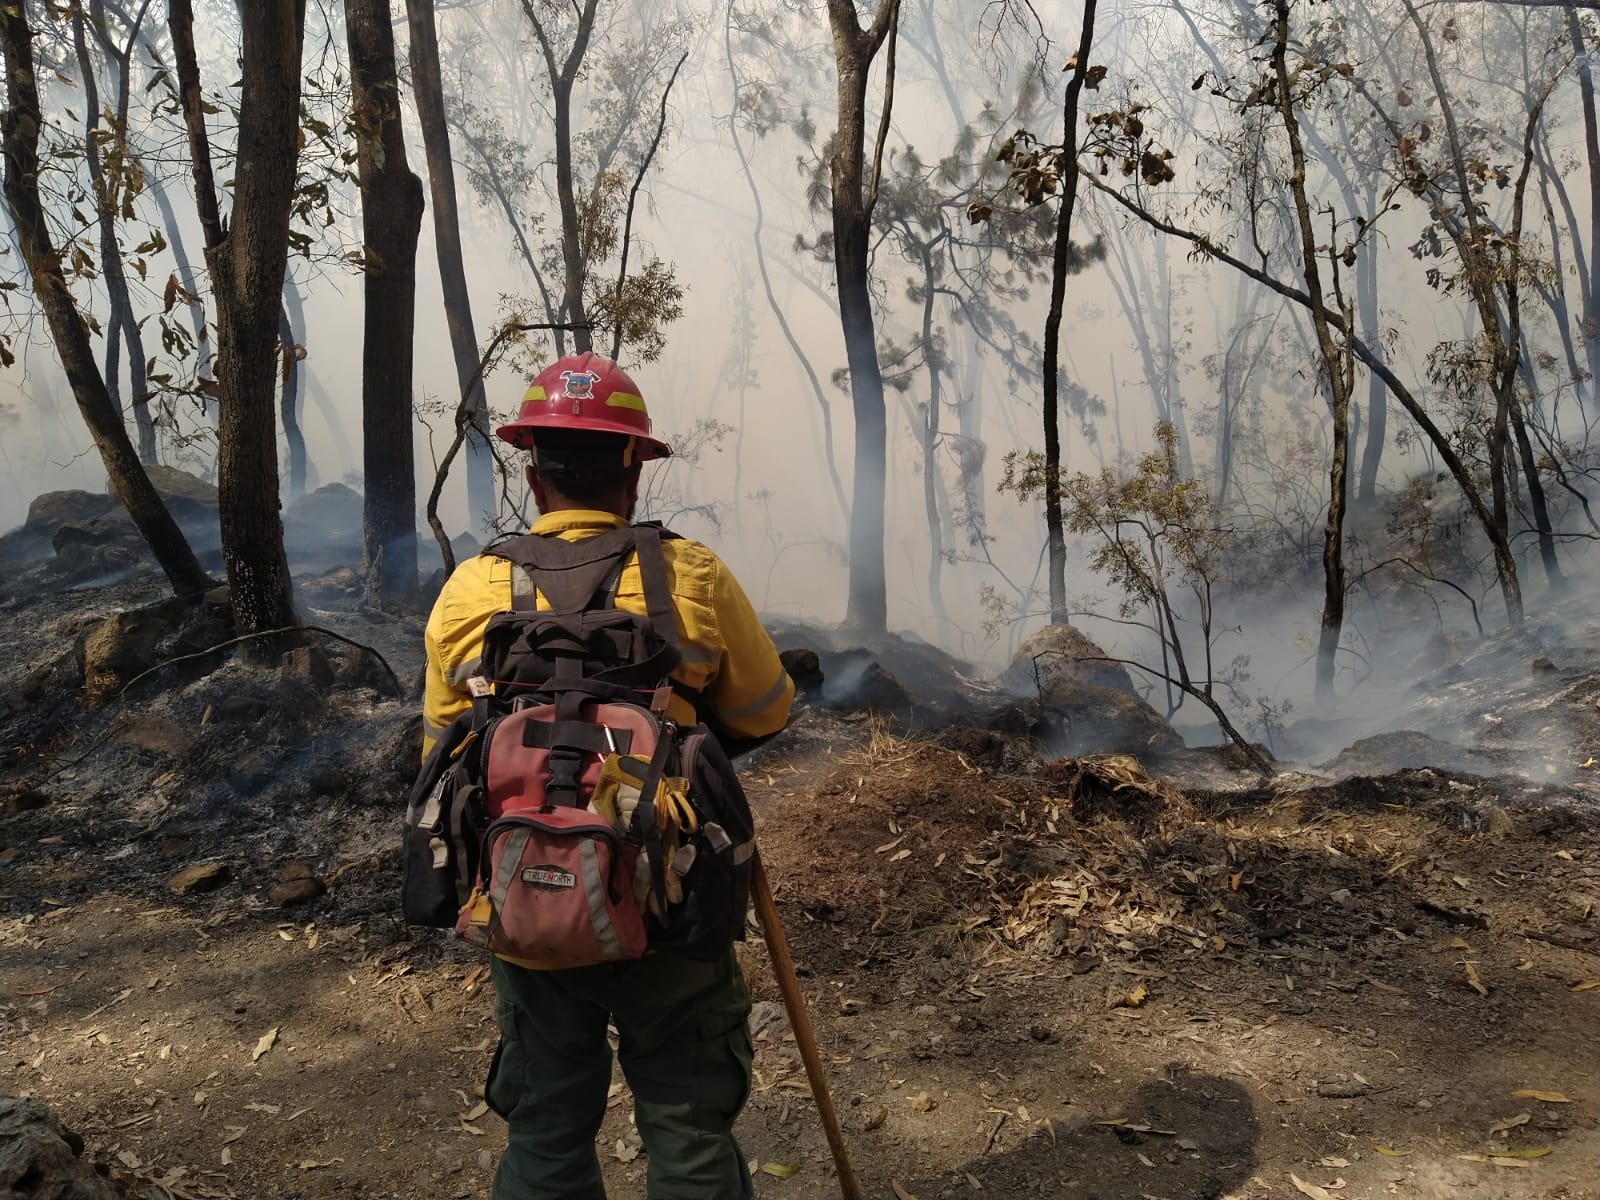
(586, 468)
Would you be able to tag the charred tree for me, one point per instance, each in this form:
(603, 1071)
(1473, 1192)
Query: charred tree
(1338, 364)
(854, 197)
(391, 217)
(1060, 267)
(427, 87)
(246, 262)
(67, 329)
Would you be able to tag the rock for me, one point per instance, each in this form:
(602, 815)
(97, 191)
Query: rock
(52, 510)
(115, 529)
(39, 1159)
(9, 855)
(297, 883)
(156, 734)
(1101, 720)
(309, 665)
(202, 877)
(356, 667)
(322, 529)
(1061, 658)
(1543, 664)
(175, 484)
(119, 648)
(804, 667)
(871, 687)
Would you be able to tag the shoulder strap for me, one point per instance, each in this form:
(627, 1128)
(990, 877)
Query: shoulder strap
(657, 585)
(571, 575)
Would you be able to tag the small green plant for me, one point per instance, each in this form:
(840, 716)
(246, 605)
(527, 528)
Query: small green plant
(1162, 541)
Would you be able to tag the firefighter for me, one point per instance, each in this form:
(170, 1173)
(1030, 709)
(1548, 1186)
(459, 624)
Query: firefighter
(683, 1034)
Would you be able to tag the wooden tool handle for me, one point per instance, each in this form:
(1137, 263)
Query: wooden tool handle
(800, 1021)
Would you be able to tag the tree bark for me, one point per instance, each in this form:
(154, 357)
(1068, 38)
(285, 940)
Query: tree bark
(21, 124)
(427, 87)
(1060, 268)
(391, 217)
(246, 263)
(1336, 364)
(854, 48)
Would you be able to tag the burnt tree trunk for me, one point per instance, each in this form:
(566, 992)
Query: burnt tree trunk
(67, 329)
(428, 89)
(1060, 268)
(246, 263)
(1337, 363)
(391, 218)
(854, 48)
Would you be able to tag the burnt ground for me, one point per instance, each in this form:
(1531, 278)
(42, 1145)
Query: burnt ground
(1065, 980)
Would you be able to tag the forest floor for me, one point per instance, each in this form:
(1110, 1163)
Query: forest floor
(1077, 981)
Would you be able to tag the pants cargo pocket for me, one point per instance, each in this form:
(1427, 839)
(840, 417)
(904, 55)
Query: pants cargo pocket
(726, 1053)
(495, 1090)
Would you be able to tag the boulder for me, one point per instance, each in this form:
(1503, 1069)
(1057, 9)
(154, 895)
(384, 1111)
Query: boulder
(804, 667)
(119, 648)
(1105, 720)
(51, 510)
(1061, 657)
(41, 1160)
(174, 483)
(331, 514)
(115, 528)
(297, 883)
(203, 877)
(865, 684)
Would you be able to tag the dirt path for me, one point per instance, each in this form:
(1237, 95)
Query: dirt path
(1207, 999)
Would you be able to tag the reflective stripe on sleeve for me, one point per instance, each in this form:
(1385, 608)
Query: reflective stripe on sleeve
(773, 695)
(464, 671)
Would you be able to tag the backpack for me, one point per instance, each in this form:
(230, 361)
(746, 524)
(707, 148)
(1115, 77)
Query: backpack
(565, 820)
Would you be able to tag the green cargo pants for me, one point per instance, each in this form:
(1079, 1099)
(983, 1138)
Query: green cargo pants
(685, 1050)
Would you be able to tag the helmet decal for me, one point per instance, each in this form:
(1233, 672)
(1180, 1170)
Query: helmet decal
(579, 385)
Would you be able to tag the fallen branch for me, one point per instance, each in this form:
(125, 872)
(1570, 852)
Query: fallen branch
(399, 688)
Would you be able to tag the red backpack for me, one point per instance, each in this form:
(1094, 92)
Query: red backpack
(565, 820)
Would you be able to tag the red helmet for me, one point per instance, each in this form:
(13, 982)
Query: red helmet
(585, 391)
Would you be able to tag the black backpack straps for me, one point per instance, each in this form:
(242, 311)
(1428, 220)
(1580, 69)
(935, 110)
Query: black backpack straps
(570, 575)
(657, 586)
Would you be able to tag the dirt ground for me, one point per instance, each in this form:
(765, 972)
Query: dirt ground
(1076, 984)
